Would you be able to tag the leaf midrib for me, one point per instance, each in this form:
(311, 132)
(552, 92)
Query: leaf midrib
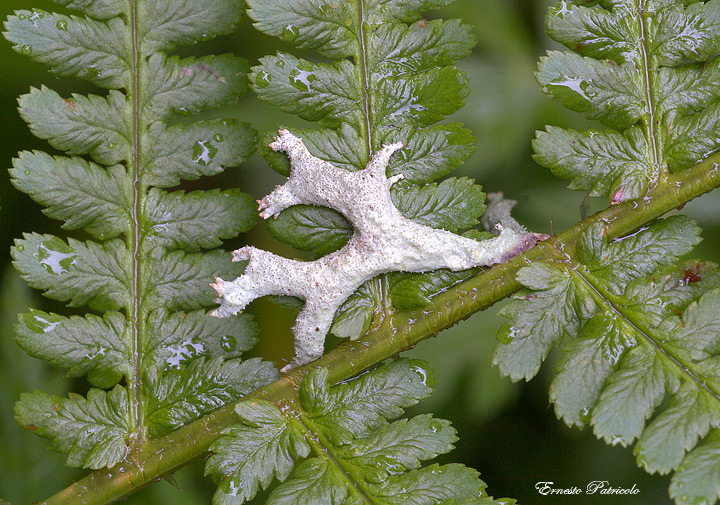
(135, 387)
(365, 84)
(645, 333)
(651, 128)
(322, 446)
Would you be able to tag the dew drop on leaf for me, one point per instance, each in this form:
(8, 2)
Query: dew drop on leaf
(20, 248)
(26, 49)
(263, 79)
(39, 324)
(421, 372)
(301, 79)
(289, 33)
(585, 415)
(203, 152)
(218, 137)
(62, 25)
(184, 111)
(110, 145)
(93, 72)
(280, 63)
(27, 172)
(55, 256)
(22, 17)
(435, 426)
(228, 343)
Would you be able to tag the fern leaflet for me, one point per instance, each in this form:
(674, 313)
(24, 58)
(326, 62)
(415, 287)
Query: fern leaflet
(642, 69)
(391, 79)
(143, 267)
(358, 456)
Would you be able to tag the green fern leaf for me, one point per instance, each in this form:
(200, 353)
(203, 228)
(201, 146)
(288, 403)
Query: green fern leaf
(414, 291)
(79, 47)
(80, 125)
(311, 228)
(178, 396)
(197, 219)
(82, 195)
(355, 316)
(391, 77)
(177, 338)
(146, 265)
(452, 205)
(82, 273)
(190, 151)
(93, 346)
(262, 447)
(358, 455)
(98, 9)
(92, 430)
(355, 408)
(698, 478)
(636, 333)
(633, 75)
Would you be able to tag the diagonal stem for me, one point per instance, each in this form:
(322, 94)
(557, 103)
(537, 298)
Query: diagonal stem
(400, 331)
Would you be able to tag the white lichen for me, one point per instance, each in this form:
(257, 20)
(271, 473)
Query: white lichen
(383, 241)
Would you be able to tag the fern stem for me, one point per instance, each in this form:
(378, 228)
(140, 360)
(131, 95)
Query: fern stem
(365, 84)
(156, 457)
(651, 130)
(135, 385)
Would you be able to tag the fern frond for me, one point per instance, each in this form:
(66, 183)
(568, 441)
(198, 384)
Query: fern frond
(165, 367)
(358, 455)
(635, 329)
(392, 77)
(645, 69)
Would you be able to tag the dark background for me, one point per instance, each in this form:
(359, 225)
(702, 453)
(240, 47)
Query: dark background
(507, 431)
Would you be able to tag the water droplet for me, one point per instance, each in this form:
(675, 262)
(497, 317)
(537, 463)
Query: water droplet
(27, 172)
(22, 17)
(20, 248)
(280, 63)
(421, 372)
(289, 33)
(228, 343)
(203, 152)
(26, 49)
(435, 426)
(680, 484)
(585, 415)
(302, 79)
(44, 323)
(111, 145)
(218, 137)
(62, 25)
(184, 111)
(234, 488)
(94, 352)
(263, 79)
(56, 256)
(35, 16)
(93, 72)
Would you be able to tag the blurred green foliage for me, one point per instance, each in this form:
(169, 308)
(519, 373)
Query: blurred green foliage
(508, 432)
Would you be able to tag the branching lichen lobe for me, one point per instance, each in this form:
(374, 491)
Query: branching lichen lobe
(384, 241)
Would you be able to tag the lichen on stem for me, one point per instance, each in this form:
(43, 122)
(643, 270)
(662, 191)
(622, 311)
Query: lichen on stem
(384, 241)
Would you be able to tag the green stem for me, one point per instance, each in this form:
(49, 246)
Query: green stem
(402, 331)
